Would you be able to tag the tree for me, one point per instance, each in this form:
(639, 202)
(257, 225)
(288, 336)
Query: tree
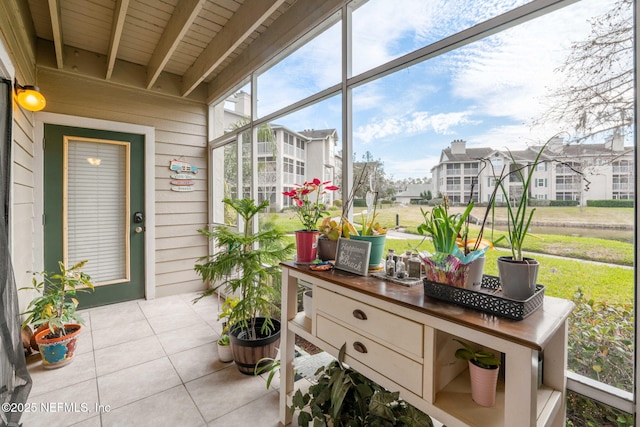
(597, 95)
(374, 177)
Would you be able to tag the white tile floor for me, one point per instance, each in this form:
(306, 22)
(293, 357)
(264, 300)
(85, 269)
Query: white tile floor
(150, 363)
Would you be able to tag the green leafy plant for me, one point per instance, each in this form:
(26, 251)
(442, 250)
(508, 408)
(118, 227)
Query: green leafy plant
(343, 397)
(224, 340)
(481, 358)
(56, 302)
(246, 264)
(519, 216)
(443, 227)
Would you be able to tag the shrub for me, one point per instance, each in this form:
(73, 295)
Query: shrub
(563, 203)
(337, 203)
(611, 203)
(601, 337)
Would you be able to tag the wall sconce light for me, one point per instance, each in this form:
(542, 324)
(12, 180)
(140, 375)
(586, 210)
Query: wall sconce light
(29, 97)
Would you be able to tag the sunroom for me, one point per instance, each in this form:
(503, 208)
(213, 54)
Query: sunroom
(194, 101)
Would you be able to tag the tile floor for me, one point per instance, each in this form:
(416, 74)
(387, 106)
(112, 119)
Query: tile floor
(150, 363)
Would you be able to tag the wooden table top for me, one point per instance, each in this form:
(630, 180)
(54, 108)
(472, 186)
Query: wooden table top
(533, 331)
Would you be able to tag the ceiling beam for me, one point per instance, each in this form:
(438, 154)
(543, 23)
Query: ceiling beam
(56, 28)
(288, 28)
(119, 15)
(183, 16)
(241, 25)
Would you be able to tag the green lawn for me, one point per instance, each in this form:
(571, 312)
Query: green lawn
(569, 268)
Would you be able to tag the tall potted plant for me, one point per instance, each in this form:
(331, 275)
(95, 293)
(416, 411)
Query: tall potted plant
(53, 312)
(246, 264)
(308, 199)
(518, 274)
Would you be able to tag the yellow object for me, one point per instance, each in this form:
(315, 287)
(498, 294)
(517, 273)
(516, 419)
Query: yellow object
(348, 229)
(29, 97)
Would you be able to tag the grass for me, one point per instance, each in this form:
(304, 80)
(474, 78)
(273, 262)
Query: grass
(566, 262)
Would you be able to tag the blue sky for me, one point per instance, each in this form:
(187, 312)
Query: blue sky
(486, 93)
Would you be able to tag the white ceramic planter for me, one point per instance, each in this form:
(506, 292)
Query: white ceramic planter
(307, 303)
(224, 353)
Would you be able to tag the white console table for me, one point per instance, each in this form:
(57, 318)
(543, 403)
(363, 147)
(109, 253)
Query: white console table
(404, 341)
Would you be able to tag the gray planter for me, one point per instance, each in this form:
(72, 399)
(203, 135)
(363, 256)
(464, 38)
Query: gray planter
(518, 278)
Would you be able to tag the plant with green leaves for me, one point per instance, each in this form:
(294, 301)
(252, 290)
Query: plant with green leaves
(56, 302)
(342, 397)
(246, 264)
(519, 216)
(443, 227)
(481, 358)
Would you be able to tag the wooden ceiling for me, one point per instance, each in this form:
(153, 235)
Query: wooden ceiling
(170, 46)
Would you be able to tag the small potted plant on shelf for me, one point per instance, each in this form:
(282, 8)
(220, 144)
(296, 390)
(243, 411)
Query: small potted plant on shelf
(483, 370)
(309, 206)
(53, 313)
(247, 264)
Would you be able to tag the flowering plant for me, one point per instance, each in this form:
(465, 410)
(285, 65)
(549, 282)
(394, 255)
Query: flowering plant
(309, 208)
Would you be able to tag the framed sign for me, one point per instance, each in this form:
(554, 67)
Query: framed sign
(353, 256)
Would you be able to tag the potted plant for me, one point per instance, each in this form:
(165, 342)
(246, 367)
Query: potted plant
(53, 313)
(452, 258)
(343, 397)
(224, 342)
(518, 274)
(483, 370)
(330, 231)
(308, 199)
(246, 264)
(371, 231)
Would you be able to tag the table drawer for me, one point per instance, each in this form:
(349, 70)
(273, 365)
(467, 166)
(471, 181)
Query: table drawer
(398, 368)
(387, 328)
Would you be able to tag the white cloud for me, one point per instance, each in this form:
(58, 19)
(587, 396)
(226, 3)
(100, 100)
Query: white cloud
(410, 124)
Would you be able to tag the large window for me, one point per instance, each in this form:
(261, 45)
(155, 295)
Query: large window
(439, 93)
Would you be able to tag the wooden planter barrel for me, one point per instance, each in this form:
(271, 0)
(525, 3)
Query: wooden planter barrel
(247, 353)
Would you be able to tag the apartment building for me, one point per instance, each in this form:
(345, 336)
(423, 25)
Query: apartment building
(577, 172)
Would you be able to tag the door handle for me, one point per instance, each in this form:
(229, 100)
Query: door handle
(139, 229)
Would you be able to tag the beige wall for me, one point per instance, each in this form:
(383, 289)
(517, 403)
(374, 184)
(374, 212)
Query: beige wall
(180, 131)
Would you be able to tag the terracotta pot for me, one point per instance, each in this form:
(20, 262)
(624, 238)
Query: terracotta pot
(224, 353)
(518, 278)
(58, 352)
(306, 246)
(483, 384)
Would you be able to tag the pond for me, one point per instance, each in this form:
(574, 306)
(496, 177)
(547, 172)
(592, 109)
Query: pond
(598, 233)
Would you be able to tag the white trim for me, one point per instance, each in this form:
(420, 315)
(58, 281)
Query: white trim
(149, 184)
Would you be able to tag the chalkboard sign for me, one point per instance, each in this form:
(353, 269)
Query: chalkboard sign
(353, 256)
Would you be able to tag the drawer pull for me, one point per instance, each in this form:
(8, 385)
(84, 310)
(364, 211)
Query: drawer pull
(359, 314)
(359, 347)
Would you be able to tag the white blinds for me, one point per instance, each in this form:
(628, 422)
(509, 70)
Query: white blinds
(97, 208)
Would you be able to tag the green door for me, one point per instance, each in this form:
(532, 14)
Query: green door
(94, 209)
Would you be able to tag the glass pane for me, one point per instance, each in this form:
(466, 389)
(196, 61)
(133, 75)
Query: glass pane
(225, 182)
(384, 30)
(97, 208)
(310, 69)
(304, 145)
(431, 127)
(585, 412)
